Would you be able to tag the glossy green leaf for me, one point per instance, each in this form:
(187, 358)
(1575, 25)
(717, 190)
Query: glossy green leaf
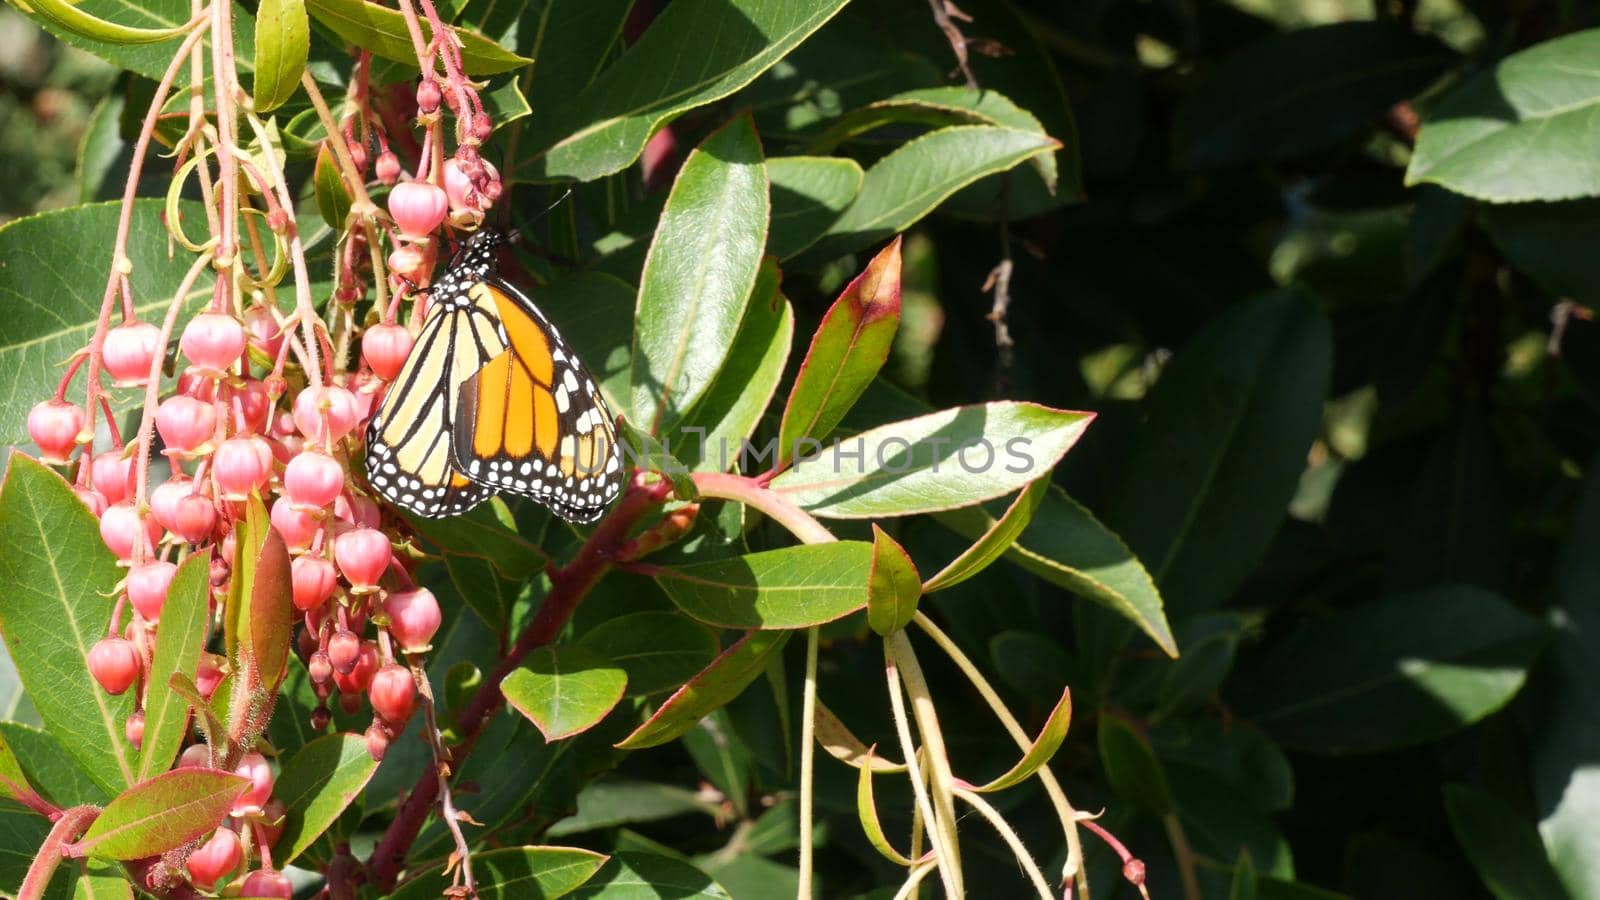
(659, 651)
(267, 616)
(1301, 91)
(1209, 480)
(85, 24)
(22, 832)
(51, 299)
(179, 641)
(893, 588)
(809, 193)
(620, 801)
(1520, 130)
(1041, 750)
(59, 575)
(1502, 844)
(13, 781)
(910, 182)
(564, 691)
(147, 59)
(1550, 242)
(52, 771)
(1430, 664)
(513, 873)
(383, 31)
(283, 40)
(316, 785)
(849, 348)
(1065, 545)
(642, 451)
(943, 460)
(1131, 766)
(637, 875)
(572, 41)
(487, 532)
(711, 689)
(671, 69)
(102, 881)
(332, 195)
(994, 541)
(699, 273)
(867, 815)
(164, 812)
(793, 587)
(713, 433)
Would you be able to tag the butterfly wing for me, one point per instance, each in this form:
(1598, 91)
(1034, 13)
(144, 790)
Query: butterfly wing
(531, 420)
(409, 455)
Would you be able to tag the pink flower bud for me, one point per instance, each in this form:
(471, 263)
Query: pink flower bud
(320, 668)
(120, 528)
(482, 126)
(241, 465)
(313, 480)
(358, 155)
(377, 741)
(418, 208)
(357, 510)
(363, 555)
(388, 168)
(297, 526)
(407, 261)
(54, 425)
(113, 475)
(147, 586)
(344, 650)
(253, 766)
(341, 409)
(195, 518)
(393, 694)
(207, 676)
(215, 858)
(129, 351)
(385, 348)
(314, 580)
(253, 402)
(262, 331)
(185, 424)
(413, 618)
(266, 883)
(213, 342)
(92, 499)
(133, 729)
(457, 184)
(355, 681)
(114, 663)
(428, 97)
(195, 756)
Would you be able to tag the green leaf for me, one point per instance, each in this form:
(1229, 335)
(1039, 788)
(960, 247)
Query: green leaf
(1302, 91)
(164, 812)
(793, 587)
(636, 875)
(179, 641)
(316, 786)
(52, 300)
(699, 273)
(596, 312)
(1502, 844)
(644, 452)
(283, 40)
(995, 540)
(850, 347)
(618, 801)
(1550, 242)
(1131, 766)
(147, 59)
(710, 435)
(487, 532)
(265, 612)
(1244, 885)
(59, 575)
(572, 41)
(1065, 545)
(332, 195)
(867, 814)
(1394, 673)
(79, 21)
(102, 881)
(13, 782)
(22, 832)
(1518, 131)
(809, 193)
(907, 184)
(50, 768)
(671, 69)
(710, 690)
(513, 873)
(943, 460)
(659, 651)
(1039, 752)
(1220, 455)
(564, 692)
(383, 31)
(893, 588)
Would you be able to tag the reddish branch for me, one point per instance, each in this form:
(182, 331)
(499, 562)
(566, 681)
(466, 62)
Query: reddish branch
(569, 585)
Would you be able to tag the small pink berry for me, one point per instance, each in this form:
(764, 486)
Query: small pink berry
(413, 618)
(213, 342)
(387, 168)
(314, 580)
(113, 475)
(344, 651)
(418, 208)
(54, 425)
(319, 667)
(241, 465)
(393, 693)
(297, 526)
(377, 741)
(133, 729)
(92, 499)
(355, 681)
(262, 331)
(114, 663)
(185, 424)
(428, 97)
(130, 350)
(253, 766)
(385, 348)
(215, 858)
(120, 527)
(313, 480)
(341, 409)
(147, 586)
(266, 883)
(207, 677)
(363, 555)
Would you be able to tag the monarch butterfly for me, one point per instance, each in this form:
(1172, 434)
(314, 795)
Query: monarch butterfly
(491, 400)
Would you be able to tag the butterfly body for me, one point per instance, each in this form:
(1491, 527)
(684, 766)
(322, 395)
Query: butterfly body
(492, 400)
